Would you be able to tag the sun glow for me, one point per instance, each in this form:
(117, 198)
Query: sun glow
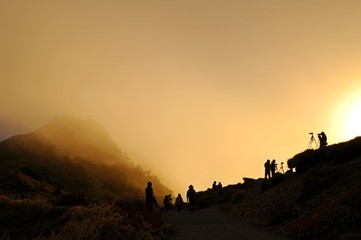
(354, 120)
(350, 113)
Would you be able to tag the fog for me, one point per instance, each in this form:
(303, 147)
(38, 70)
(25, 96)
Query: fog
(195, 91)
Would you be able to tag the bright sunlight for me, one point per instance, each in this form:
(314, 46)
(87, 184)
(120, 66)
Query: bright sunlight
(350, 115)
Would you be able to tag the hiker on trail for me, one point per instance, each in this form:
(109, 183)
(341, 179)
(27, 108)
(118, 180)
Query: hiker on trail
(179, 202)
(191, 197)
(166, 203)
(267, 168)
(273, 168)
(170, 201)
(323, 139)
(149, 199)
(155, 202)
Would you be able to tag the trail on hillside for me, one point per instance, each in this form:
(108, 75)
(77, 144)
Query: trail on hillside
(212, 224)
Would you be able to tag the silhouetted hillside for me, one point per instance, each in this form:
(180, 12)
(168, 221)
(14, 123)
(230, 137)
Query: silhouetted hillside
(321, 200)
(68, 156)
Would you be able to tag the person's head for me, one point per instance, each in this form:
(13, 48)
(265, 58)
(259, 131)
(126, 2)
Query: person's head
(190, 186)
(149, 184)
(273, 161)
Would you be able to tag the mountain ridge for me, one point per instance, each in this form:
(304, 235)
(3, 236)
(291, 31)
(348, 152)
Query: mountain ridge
(71, 155)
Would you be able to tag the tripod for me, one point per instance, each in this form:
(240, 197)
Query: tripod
(280, 169)
(312, 140)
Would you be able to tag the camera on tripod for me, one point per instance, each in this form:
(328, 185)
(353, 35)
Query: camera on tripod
(312, 141)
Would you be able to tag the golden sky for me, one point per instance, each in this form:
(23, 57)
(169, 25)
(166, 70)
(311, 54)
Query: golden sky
(194, 90)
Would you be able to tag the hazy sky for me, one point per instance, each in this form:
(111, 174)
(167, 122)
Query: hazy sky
(194, 90)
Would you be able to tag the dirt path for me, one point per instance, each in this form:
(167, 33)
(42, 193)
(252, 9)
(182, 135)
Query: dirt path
(212, 224)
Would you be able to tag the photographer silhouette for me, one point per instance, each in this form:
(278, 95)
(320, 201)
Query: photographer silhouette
(323, 139)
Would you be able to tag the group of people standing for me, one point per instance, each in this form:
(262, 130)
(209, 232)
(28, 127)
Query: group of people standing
(215, 186)
(150, 200)
(270, 168)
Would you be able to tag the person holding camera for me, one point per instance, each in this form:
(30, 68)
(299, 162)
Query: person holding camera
(323, 139)
(273, 167)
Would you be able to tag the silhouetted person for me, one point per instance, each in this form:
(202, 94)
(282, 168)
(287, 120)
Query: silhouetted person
(219, 185)
(166, 203)
(273, 168)
(214, 185)
(323, 139)
(149, 199)
(191, 197)
(179, 202)
(170, 200)
(267, 168)
(155, 202)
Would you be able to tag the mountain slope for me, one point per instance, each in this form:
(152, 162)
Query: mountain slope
(321, 200)
(70, 155)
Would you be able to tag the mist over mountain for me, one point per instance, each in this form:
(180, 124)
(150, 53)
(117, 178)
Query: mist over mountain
(68, 156)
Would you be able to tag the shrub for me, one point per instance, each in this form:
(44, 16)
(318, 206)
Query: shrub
(105, 221)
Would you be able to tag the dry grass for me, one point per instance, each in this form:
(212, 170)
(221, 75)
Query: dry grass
(124, 219)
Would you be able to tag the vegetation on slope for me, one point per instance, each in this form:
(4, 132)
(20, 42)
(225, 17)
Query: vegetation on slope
(69, 156)
(38, 219)
(321, 200)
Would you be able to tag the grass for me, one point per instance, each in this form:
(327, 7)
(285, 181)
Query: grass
(37, 219)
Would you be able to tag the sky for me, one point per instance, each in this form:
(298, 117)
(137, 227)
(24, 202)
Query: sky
(196, 91)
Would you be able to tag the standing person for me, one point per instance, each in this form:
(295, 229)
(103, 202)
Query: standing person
(191, 197)
(323, 139)
(166, 203)
(149, 199)
(179, 202)
(273, 168)
(267, 168)
(170, 200)
(214, 185)
(320, 139)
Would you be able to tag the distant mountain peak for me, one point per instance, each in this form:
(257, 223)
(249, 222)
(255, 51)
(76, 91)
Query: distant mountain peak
(76, 154)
